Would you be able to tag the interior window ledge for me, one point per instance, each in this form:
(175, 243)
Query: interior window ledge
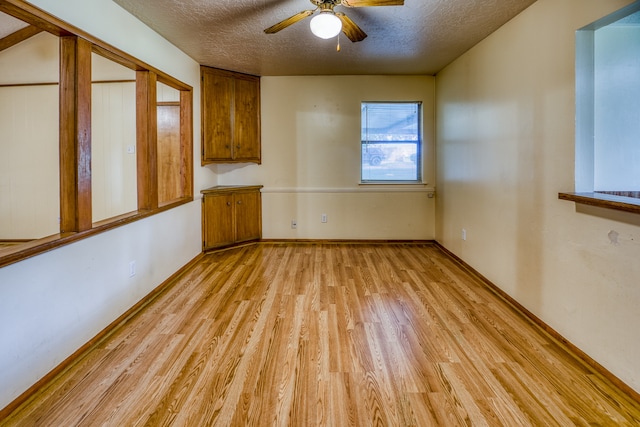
(604, 200)
(16, 253)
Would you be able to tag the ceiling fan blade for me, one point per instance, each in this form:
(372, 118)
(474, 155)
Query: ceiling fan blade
(289, 21)
(366, 3)
(350, 28)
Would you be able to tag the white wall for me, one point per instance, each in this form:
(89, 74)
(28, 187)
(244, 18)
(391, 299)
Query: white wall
(311, 154)
(53, 303)
(506, 144)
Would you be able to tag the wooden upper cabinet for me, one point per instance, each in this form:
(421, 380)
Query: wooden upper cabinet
(230, 117)
(247, 118)
(217, 120)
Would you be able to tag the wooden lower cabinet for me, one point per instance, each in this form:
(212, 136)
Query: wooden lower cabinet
(231, 215)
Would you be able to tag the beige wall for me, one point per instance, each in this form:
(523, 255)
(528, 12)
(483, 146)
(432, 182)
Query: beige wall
(311, 154)
(505, 144)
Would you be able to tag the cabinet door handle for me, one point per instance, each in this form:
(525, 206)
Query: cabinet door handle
(238, 147)
(239, 202)
(228, 203)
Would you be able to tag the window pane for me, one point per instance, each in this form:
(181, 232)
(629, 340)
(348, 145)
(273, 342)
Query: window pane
(29, 145)
(608, 104)
(113, 139)
(617, 106)
(170, 177)
(391, 141)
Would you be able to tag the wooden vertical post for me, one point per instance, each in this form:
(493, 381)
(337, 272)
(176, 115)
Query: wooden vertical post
(75, 134)
(146, 139)
(186, 142)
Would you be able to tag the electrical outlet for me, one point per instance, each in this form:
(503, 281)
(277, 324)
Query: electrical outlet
(323, 218)
(132, 268)
(464, 234)
(294, 223)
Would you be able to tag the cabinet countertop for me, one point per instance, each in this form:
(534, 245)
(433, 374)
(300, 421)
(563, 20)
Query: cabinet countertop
(230, 188)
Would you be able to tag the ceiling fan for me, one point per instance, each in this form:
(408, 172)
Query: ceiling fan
(328, 23)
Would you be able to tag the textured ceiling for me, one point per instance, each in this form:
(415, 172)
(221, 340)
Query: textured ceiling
(420, 37)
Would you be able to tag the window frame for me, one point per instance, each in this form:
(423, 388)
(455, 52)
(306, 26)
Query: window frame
(585, 191)
(419, 147)
(76, 48)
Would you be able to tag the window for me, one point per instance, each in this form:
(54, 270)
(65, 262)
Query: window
(29, 146)
(113, 139)
(608, 103)
(608, 111)
(391, 140)
(170, 173)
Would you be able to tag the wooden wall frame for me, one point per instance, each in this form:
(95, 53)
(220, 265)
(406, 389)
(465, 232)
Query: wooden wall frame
(76, 48)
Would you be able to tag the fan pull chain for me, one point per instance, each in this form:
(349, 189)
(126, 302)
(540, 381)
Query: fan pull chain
(338, 47)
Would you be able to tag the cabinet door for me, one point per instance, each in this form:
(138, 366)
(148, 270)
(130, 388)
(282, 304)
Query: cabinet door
(247, 119)
(217, 120)
(217, 220)
(248, 216)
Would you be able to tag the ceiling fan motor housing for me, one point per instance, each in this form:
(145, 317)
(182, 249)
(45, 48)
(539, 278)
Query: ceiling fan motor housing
(341, 21)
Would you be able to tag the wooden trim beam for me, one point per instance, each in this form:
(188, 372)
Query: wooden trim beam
(18, 36)
(32, 15)
(75, 134)
(604, 200)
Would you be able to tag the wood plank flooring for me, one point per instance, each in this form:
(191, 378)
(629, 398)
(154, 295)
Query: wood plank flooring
(328, 334)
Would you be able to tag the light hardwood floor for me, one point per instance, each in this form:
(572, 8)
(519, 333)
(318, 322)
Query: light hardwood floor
(328, 334)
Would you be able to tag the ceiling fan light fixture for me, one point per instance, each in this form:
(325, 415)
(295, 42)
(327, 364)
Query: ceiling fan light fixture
(325, 25)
